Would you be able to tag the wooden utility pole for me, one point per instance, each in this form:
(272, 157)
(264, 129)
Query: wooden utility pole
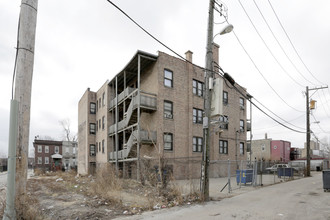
(207, 107)
(308, 130)
(23, 86)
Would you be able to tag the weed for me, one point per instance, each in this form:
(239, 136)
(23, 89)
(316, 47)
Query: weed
(107, 185)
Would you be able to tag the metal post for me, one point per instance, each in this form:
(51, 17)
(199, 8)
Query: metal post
(308, 135)
(261, 167)
(124, 131)
(256, 173)
(116, 133)
(229, 175)
(241, 174)
(236, 148)
(250, 128)
(10, 194)
(207, 105)
(23, 87)
(138, 119)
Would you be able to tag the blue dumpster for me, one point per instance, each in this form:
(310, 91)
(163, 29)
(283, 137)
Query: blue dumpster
(285, 171)
(244, 176)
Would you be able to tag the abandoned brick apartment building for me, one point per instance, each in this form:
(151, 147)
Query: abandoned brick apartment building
(152, 108)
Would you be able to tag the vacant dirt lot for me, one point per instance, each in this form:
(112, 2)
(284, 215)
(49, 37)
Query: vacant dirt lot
(67, 196)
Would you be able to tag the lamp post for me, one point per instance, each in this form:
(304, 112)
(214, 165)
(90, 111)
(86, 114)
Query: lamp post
(207, 102)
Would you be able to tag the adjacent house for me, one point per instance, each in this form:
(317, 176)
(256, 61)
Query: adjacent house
(55, 155)
(271, 150)
(48, 154)
(154, 109)
(70, 153)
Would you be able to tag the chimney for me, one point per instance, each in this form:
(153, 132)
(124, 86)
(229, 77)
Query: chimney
(266, 136)
(189, 56)
(215, 51)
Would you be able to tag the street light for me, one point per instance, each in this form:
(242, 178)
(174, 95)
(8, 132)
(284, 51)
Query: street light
(207, 101)
(227, 29)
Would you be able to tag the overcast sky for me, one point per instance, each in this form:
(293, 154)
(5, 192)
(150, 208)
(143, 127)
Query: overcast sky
(81, 44)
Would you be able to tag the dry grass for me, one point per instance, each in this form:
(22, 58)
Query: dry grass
(122, 195)
(107, 185)
(2, 206)
(27, 207)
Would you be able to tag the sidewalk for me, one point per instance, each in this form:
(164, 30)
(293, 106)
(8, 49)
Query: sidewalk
(218, 184)
(299, 199)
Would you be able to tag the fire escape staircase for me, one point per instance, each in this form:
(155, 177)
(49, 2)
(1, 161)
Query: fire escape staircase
(148, 103)
(145, 137)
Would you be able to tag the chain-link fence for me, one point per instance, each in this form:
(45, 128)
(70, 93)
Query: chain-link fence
(225, 176)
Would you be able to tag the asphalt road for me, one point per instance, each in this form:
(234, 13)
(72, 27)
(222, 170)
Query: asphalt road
(299, 199)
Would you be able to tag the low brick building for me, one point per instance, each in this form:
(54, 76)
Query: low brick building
(48, 155)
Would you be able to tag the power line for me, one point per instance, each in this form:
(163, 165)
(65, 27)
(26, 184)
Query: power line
(326, 112)
(263, 17)
(317, 122)
(294, 48)
(152, 36)
(278, 116)
(317, 139)
(259, 71)
(269, 50)
(204, 68)
(269, 115)
(278, 125)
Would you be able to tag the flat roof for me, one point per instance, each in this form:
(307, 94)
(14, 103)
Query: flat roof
(131, 68)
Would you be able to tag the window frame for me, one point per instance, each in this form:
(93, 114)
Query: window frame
(103, 99)
(225, 97)
(103, 122)
(46, 160)
(168, 114)
(46, 149)
(167, 79)
(92, 152)
(198, 117)
(196, 88)
(241, 148)
(39, 150)
(241, 103)
(167, 134)
(223, 147)
(242, 125)
(56, 149)
(39, 160)
(103, 145)
(92, 110)
(91, 129)
(197, 144)
(224, 118)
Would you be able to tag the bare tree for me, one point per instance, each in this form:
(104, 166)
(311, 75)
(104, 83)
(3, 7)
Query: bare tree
(67, 131)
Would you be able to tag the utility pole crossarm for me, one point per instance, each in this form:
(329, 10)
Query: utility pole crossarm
(317, 88)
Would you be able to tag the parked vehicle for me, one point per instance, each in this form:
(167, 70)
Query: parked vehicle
(274, 167)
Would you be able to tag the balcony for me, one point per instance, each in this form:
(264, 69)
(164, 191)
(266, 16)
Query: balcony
(126, 93)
